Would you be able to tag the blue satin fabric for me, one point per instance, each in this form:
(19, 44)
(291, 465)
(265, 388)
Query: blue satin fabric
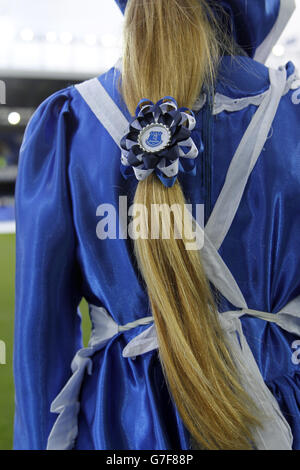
(251, 20)
(69, 165)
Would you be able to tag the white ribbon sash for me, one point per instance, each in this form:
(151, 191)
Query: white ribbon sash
(275, 433)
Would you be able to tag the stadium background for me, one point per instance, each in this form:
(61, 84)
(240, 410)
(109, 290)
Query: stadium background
(45, 46)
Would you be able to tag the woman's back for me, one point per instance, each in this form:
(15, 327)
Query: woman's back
(247, 178)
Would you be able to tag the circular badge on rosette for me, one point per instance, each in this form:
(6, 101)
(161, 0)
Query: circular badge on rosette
(159, 140)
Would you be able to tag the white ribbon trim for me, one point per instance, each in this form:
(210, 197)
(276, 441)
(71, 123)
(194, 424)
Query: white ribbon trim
(104, 108)
(67, 404)
(275, 434)
(244, 160)
(225, 103)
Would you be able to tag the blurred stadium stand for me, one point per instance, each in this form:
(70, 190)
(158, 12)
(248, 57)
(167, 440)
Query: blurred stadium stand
(23, 95)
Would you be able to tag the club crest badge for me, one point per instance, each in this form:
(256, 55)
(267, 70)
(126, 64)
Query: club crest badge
(154, 137)
(158, 139)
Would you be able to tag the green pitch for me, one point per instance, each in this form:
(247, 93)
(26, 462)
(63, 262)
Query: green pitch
(7, 270)
(7, 273)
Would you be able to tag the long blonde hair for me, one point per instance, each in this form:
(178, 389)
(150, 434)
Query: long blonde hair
(171, 48)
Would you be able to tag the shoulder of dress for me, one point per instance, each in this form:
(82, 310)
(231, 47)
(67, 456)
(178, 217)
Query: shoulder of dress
(56, 100)
(51, 107)
(244, 83)
(46, 117)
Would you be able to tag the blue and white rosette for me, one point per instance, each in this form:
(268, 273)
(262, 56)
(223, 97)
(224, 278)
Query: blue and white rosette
(159, 140)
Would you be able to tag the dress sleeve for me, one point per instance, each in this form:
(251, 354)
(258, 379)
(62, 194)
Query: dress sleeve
(47, 320)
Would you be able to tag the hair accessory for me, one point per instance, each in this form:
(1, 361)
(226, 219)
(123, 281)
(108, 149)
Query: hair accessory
(159, 139)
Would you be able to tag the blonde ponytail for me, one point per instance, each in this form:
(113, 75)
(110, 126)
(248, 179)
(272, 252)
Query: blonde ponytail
(171, 50)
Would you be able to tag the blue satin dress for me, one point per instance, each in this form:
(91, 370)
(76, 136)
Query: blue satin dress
(69, 165)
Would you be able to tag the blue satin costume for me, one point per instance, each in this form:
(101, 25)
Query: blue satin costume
(69, 165)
